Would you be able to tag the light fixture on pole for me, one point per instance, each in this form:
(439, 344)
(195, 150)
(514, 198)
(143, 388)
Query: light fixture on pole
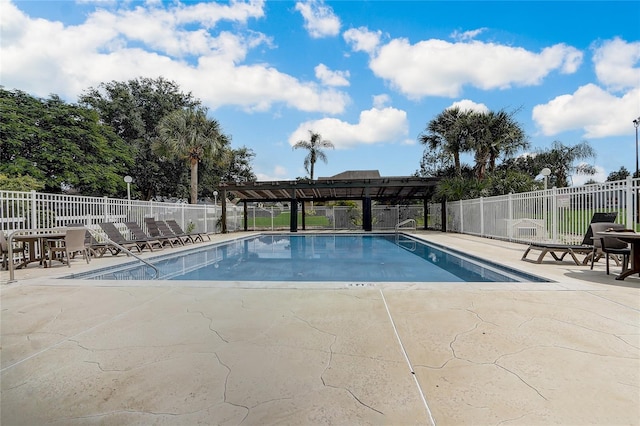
(128, 179)
(545, 173)
(215, 200)
(636, 123)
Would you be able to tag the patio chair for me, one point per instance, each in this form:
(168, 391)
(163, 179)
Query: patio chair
(159, 229)
(19, 249)
(140, 236)
(114, 235)
(72, 243)
(607, 246)
(96, 248)
(559, 251)
(175, 227)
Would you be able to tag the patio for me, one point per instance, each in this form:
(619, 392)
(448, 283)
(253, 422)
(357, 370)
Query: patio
(567, 352)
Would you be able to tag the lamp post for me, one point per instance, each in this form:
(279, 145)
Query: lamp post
(128, 179)
(215, 210)
(545, 173)
(636, 122)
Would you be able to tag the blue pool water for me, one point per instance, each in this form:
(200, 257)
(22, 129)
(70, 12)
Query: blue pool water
(342, 258)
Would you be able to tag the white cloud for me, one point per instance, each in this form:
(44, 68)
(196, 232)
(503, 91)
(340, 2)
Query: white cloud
(580, 179)
(278, 173)
(591, 108)
(331, 78)
(362, 40)
(380, 101)
(596, 110)
(319, 19)
(469, 105)
(439, 68)
(148, 41)
(617, 64)
(467, 35)
(385, 125)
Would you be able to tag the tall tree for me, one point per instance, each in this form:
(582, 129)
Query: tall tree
(620, 174)
(64, 146)
(234, 165)
(134, 110)
(449, 132)
(188, 134)
(494, 134)
(315, 146)
(562, 159)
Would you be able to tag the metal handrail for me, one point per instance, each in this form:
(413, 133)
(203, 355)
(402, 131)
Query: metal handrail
(45, 230)
(404, 222)
(113, 243)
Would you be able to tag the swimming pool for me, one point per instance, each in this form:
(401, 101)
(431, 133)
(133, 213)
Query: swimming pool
(318, 257)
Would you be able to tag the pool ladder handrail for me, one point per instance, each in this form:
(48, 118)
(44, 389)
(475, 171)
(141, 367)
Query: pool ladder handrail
(399, 225)
(126, 250)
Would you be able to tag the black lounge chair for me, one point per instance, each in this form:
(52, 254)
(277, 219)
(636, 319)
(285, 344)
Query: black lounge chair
(175, 227)
(559, 251)
(140, 236)
(159, 229)
(114, 235)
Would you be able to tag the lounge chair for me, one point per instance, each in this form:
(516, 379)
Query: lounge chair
(175, 227)
(159, 229)
(559, 251)
(140, 236)
(606, 246)
(114, 235)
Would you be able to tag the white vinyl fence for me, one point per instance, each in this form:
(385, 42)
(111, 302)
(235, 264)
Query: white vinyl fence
(34, 210)
(560, 215)
(554, 215)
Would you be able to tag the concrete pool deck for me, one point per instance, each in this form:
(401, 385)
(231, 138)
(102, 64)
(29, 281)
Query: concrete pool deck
(149, 352)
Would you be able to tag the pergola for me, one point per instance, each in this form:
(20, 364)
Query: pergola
(363, 186)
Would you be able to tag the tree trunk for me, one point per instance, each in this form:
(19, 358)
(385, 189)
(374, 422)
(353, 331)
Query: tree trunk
(194, 181)
(456, 163)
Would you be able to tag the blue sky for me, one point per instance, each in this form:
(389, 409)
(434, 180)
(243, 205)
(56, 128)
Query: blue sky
(367, 75)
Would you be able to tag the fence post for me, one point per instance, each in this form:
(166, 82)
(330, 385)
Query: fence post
(630, 223)
(554, 214)
(34, 210)
(104, 209)
(482, 216)
(204, 209)
(461, 218)
(510, 216)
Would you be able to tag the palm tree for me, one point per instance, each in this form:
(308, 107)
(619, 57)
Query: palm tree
(494, 134)
(314, 145)
(190, 135)
(449, 131)
(561, 158)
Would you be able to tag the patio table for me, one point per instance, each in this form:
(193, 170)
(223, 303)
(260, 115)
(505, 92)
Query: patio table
(633, 239)
(36, 238)
(33, 241)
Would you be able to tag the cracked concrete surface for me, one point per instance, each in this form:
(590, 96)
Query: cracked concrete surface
(113, 353)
